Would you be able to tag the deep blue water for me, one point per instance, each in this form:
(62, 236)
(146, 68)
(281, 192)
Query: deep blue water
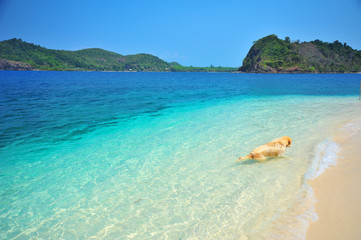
(58, 106)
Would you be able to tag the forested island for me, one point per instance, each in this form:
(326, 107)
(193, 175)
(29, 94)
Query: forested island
(273, 55)
(16, 54)
(267, 55)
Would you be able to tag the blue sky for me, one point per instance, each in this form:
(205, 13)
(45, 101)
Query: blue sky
(197, 32)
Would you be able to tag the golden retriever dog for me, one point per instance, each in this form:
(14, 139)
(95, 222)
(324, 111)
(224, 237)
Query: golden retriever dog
(271, 149)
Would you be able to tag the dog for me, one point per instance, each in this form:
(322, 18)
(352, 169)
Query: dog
(271, 149)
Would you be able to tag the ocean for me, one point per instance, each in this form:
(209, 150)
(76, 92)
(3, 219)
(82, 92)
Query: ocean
(108, 155)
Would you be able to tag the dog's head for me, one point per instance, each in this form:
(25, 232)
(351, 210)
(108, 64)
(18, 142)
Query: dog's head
(287, 141)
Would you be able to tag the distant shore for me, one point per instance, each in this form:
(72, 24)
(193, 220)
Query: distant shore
(338, 195)
(107, 71)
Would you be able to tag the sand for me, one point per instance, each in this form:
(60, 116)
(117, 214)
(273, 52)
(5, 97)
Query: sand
(338, 194)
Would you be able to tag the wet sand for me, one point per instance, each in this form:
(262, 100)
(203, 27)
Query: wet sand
(338, 194)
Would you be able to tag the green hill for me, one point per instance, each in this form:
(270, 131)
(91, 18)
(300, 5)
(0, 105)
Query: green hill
(16, 54)
(93, 59)
(273, 55)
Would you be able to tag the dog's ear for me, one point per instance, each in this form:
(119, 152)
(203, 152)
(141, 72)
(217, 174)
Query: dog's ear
(289, 140)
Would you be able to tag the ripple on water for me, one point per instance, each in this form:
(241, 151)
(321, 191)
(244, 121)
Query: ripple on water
(160, 167)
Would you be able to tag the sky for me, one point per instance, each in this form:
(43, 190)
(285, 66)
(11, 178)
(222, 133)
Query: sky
(190, 32)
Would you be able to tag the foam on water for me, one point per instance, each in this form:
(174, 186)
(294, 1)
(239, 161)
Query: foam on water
(349, 128)
(325, 155)
(168, 171)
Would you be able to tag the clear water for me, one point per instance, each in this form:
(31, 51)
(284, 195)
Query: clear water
(151, 155)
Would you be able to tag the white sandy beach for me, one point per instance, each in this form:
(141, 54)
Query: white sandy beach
(338, 194)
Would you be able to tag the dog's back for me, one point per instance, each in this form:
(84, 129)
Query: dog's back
(271, 149)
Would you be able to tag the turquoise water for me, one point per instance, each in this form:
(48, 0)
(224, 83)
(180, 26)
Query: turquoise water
(151, 155)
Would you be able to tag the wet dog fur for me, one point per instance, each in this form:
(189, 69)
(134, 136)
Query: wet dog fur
(274, 148)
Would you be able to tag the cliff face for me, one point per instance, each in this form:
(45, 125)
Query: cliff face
(12, 65)
(273, 55)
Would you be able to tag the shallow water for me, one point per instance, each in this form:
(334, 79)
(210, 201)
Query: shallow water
(151, 155)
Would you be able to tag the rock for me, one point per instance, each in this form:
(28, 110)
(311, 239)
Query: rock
(12, 65)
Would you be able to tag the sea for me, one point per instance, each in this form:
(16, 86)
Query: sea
(126, 155)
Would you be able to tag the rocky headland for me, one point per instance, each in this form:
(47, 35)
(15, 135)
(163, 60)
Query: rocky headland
(273, 55)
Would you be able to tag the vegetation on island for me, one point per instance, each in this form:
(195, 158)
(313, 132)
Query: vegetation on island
(93, 59)
(176, 67)
(273, 55)
(15, 52)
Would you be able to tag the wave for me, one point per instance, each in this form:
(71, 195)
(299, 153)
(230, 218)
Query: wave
(325, 155)
(326, 152)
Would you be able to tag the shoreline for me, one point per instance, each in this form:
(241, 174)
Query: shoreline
(125, 71)
(338, 195)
